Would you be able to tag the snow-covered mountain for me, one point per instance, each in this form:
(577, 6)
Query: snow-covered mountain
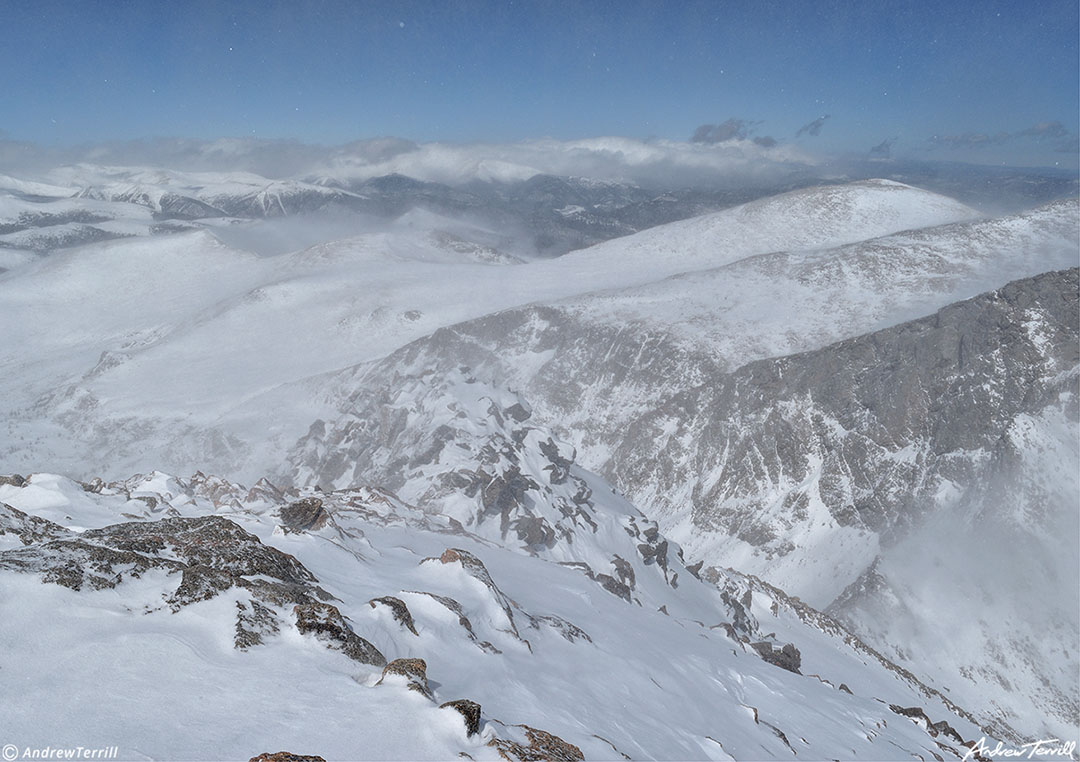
(425, 631)
(193, 328)
(545, 215)
(812, 394)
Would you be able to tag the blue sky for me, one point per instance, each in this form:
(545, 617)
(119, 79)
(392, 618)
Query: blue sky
(986, 82)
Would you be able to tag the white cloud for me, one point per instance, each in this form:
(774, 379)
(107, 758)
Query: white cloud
(652, 163)
(646, 162)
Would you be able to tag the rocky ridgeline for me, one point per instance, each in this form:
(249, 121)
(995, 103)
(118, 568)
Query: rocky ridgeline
(211, 554)
(189, 533)
(471, 453)
(814, 462)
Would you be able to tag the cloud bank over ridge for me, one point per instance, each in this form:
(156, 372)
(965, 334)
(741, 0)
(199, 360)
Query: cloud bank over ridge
(738, 160)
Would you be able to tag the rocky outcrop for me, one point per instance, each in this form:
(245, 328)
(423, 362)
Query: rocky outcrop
(536, 746)
(285, 756)
(829, 425)
(303, 515)
(787, 657)
(455, 607)
(29, 529)
(469, 710)
(209, 554)
(327, 624)
(399, 610)
(15, 480)
(254, 623)
(414, 671)
(475, 568)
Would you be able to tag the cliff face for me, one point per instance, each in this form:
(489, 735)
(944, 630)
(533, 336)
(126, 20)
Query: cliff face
(802, 469)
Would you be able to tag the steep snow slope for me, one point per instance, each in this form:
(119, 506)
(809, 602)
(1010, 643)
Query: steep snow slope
(246, 588)
(34, 220)
(193, 195)
(307, 313)
(185, 353)
(803, 469)
(592, 365)
(789, 301)
(812, 218)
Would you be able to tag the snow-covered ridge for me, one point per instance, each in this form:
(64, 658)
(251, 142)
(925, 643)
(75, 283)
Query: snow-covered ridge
(248, 588)
(477, 394)
(800, 469)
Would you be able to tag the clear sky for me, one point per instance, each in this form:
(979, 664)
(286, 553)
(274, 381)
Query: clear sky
(981, 81)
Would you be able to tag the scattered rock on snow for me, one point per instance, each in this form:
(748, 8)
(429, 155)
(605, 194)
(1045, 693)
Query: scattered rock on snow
(329, 626)
(303, 515)
(413, 670)
(787, 657)
(398, 609)
(470, 710)
(538, 745)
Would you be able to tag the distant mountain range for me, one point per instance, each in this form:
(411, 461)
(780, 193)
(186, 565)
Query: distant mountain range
(672, 474)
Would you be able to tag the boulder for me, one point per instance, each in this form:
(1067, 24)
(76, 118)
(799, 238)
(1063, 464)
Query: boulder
(470, 710)
(400, 611)
(540, 746)
(329, 626)
(413, 670)
(303, 515)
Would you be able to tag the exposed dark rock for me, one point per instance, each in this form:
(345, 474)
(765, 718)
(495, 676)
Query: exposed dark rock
(400, 611)
(741, 620)
(210, 554)
(975, 754)
(200, 583)
(463, 620)
(15, 480)
(475, 568)
(253, 623)
(285, 756)
(29, 529)
(150, 501)
(212, 541)
(918, 715)
(518, 412)
(94, 486)
(541, 747)
(654, 551)
(74, 563)
(613, 586)
(787, 657)
(413, 670)
(568, 630)
(266, 490)
(505, 493)
(329, 626)
(534, 531)
(470, 710)
(624, 570)
(303, 515)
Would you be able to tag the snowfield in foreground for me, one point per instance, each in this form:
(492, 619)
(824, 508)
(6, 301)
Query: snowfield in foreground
(246, 623)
